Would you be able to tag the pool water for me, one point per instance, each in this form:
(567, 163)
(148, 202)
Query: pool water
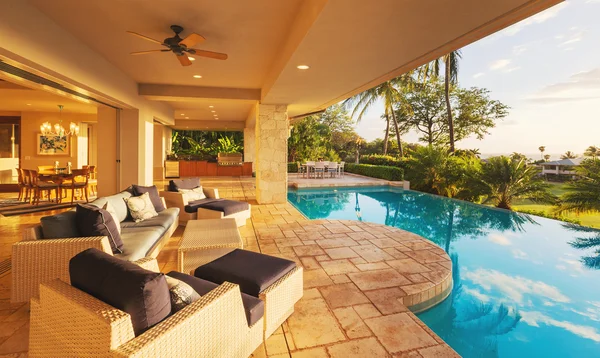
(520, 288)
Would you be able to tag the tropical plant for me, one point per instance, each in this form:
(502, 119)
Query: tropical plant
(390, 93)
(568, 155)
(228, 145)
(546, 157)
(590, 240)
(592, 151)
(583, 194)
(432, 70)
(503, 180)
(542, 149)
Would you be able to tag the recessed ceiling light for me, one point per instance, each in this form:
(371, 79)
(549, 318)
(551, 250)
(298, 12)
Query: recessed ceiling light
(211, 106)
(213, 111)
(182, 114)
(191, 58)
(29, 104)
(187, 117)
(197, 76)
(302, 67)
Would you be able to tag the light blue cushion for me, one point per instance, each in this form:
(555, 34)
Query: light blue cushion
(138, 241)
(117, 202)
(165, 219)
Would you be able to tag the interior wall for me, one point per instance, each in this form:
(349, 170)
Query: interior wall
(93, 144)
(106, 131)
(30, 128)
(158, 150)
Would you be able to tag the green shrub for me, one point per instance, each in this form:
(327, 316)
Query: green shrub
(376, 171)
(292, 167)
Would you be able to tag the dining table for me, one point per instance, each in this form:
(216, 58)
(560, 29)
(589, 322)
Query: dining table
(308, 167)
(59, 176)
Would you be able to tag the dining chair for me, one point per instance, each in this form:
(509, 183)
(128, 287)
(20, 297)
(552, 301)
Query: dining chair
(341, 168)
(301, 169)
(39, 187)
(310, 166)
(326, 163)
(93, 179)
(21, 183)
(319, 168)
(82, 184)
(332, 169)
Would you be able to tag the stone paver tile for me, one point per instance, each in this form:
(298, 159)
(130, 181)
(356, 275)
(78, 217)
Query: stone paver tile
(371, 280)
(386, 300)
(395, 253)
(351, 323)
(361, 235)
(313, 325)
(8, 328)
(288, 242)
(372, 253)
(276, 345)
(308, 250)
(436, 276)
(18, 342)
(418, 245)
(399, 333)
(340, 279)
(342, 295)
(311, 353)
(410, 354)
(358, 261)
(311, 293)
(322, 258)
(424, 256)
(341, 253)
(373, 266)
(360, 348)
(408, 266)
(315, 278)
(385, 243)
(336, 267)
(309, 263)
(337, 242)
(417, 278)
(439, 351)
(367, 310)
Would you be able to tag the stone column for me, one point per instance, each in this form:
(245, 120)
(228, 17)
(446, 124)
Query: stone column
(271, 153)
(249, 146)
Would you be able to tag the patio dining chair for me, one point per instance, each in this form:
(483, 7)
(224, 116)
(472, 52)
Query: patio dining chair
(301, 169)
(341, 168)
(332, 169)
(309, 168)
(319, 169)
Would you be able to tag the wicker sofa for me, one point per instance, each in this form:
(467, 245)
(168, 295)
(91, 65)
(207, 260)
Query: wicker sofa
(174, 198)
(37, 260)
(67, 322)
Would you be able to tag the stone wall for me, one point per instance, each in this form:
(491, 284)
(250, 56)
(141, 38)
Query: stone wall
(271, 153)
(250, 146)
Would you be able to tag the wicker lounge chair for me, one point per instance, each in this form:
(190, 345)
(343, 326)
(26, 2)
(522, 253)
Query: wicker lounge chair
(67, 322)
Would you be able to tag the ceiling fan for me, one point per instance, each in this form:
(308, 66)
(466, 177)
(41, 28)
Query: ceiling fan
(182, 48)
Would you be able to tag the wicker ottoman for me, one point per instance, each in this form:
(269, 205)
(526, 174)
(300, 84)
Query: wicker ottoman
(276, 281)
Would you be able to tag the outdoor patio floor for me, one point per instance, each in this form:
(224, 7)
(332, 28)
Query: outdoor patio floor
(298, 181)
(357, 277)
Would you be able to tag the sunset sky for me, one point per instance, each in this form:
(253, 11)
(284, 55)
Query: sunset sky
(547, 69)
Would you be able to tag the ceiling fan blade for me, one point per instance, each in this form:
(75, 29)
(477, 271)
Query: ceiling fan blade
(144, 37)
(184, 60)
(209, 54)
(191, 40)
(145, 52)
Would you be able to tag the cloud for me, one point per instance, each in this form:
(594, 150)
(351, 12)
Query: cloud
(499, 64)
(518, 254)
(499, 239)
(579, 86)
(519, 49)
(478, 74)
(515, 287)
(535, 318)
(574, 37)
(574, 265)
(512, 69)
(536, 19)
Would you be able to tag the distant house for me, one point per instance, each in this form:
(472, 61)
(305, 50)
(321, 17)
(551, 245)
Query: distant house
(561, 167)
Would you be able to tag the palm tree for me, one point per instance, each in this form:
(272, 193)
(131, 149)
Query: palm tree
(386, 139)
(591, 240)
(503, 180)
(584, 194)
(592, 151)
(547, 157)
(389, 92)
(542, 149)
(568, 155)
(432, 70)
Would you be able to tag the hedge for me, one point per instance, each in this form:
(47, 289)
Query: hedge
(376, 171)
(292, 167)
(378, 159)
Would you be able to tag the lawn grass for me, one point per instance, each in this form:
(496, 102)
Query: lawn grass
(558, 189)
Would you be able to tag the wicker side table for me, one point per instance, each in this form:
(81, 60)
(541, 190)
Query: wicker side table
(206, 240)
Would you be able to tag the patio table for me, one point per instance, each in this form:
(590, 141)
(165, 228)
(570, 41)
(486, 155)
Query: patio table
(308, 166)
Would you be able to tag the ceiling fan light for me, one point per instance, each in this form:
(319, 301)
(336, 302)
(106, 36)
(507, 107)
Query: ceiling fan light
(197, 76)
(302, 67)
(191, 58)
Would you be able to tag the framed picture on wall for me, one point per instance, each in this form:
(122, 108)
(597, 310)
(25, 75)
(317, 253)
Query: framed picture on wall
(53, 145)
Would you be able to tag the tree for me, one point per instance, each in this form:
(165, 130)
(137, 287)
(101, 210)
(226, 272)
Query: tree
(432, 70)
(474, 112)
(591, 240)
(546, 157)
(584, 193)
(568, 155)
(542, 149)
(388, 92)
(503, 180)
(592, 151)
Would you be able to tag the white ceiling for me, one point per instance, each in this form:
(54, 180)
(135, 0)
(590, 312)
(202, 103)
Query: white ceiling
(16, 98)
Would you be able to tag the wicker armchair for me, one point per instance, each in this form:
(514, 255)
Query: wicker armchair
(67, 322)
(177, 200)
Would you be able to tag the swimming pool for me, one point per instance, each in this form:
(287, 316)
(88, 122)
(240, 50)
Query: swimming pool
(520, 289)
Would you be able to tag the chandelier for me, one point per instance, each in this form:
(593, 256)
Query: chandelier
(58, 130)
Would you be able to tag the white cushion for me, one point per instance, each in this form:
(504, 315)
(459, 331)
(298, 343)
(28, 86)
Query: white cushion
(140, 207)
(193, 194)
